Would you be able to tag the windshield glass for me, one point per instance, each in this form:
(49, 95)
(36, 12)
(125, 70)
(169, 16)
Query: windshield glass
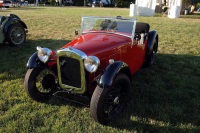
(124, 27)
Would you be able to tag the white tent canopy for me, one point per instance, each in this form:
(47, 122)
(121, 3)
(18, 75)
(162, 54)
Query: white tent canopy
(174, 8)
(146, 7)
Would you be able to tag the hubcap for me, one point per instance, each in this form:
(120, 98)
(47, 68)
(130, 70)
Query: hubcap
(116, 100)
(45, 81)
(17, 35)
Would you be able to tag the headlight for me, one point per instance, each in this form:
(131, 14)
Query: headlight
(43, 54)
(91, 63)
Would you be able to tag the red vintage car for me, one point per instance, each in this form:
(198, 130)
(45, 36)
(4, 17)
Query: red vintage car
(94, 69)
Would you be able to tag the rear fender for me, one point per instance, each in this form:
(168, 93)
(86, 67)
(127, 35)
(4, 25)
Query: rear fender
(152, 35)
(13, 21)
(111, 72)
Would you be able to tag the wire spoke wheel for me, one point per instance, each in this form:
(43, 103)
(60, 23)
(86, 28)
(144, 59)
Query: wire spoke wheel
(150, 58)
(107, 103)
(40, 84)
(114, 100)
(16, 35)
(45, 81)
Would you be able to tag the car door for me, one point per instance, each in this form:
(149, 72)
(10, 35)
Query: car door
(135, 55)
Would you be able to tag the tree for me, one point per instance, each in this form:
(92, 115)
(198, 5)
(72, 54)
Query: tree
(108, 2)
(85, 2)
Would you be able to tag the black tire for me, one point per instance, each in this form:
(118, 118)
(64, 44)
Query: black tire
(107, 104)
(40, 84)
(150, 57)
(16, 35)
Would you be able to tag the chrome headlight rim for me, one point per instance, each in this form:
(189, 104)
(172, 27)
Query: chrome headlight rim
(91, 63)
(43, 54)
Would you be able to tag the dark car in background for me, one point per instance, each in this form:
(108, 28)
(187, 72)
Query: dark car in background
(101, 3)
(12, 30)
(97, 3)
(68, 3)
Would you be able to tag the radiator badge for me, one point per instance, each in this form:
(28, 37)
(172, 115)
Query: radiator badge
(62, 62)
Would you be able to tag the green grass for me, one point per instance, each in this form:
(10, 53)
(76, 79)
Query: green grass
(164, 98)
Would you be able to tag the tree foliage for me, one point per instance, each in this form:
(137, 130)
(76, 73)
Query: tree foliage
(85, 2)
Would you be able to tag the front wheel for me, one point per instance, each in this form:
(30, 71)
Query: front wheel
(40, 83)
(107, 103)
(16, 35)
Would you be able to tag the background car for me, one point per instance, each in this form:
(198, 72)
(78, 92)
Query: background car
(9, 3)
(103, 3)
(94, 69)
(97, 3)
(12, 30)
(6, 4)
(68, 2)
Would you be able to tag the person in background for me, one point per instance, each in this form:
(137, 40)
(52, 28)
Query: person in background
(165, 10)
(192, 7)
(36, 2)
(57, 3)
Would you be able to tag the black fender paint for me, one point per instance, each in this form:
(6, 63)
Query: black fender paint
(152, 35)
(13, 21)
(34, 62)
(111, 72)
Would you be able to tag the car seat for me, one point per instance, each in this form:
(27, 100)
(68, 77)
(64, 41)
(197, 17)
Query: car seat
(142, 27)
(141, 32)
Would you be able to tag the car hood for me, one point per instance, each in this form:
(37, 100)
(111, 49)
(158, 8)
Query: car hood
(94, 43)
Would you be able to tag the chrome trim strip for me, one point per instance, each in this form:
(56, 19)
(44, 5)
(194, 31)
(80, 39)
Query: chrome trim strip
(110, 33)
(112, 18)
(73, 50)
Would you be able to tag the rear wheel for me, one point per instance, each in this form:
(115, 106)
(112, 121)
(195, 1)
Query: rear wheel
(108, 103)
(150, 58)
(16, 35)
(40, 84)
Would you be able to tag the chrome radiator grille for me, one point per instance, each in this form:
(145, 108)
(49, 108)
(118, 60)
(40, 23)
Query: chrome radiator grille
(70, 72)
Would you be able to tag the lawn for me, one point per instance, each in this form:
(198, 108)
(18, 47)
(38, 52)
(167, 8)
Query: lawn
(164, 98)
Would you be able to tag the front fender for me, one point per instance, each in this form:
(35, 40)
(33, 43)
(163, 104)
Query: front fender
(111, 72)
(152, 35)
(33, 62)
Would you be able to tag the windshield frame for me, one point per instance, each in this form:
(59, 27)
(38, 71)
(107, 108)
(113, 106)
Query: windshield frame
(93, 21)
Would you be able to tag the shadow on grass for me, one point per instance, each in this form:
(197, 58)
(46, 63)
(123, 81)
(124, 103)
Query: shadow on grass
(165, 97)
(14, 59)
(60, 101)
